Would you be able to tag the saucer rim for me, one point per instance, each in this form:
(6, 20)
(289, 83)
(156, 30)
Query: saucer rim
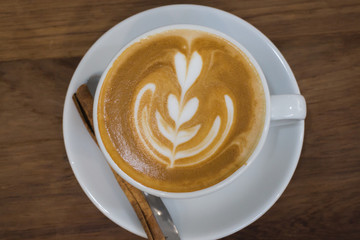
(131, 227)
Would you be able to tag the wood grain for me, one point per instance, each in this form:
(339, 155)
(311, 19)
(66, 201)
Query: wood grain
(41, 43)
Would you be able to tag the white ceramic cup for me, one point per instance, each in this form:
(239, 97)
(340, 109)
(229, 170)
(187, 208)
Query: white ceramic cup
(281, 108)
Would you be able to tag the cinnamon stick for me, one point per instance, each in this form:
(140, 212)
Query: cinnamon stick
(84, 103)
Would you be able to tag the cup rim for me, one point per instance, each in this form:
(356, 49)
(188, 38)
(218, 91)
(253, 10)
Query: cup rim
(212, 188)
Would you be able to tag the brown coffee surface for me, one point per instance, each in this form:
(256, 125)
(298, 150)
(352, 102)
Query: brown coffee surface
(181, 110)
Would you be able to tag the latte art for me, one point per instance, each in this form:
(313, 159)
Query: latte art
(180, 113)
(181, 110)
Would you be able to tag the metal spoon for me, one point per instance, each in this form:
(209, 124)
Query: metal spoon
(163, 217)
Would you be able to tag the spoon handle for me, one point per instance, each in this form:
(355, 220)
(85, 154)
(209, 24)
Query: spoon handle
(162, 217)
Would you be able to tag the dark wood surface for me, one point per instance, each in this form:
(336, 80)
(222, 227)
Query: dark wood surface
(41, 43)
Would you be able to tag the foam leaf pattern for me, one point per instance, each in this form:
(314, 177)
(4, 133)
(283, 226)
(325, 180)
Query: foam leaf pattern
(173, 107)
(169, 132)
(186, 135)
(189, 110)
(166, 130)
(181, 111)
(180, 67)
(193, 71)
(187, 75)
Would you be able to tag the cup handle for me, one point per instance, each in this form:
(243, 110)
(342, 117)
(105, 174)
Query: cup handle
(287, 107)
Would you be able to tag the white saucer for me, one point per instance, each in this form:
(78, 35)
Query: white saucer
(221, 213)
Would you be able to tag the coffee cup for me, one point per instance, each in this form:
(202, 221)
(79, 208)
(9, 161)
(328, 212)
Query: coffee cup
(183, 110)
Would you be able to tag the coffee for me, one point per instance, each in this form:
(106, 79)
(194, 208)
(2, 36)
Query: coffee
(181, 110)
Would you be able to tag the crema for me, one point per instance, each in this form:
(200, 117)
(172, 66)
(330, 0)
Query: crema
(181, 110)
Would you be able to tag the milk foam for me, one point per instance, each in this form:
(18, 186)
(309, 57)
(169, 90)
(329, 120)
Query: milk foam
(180, 111)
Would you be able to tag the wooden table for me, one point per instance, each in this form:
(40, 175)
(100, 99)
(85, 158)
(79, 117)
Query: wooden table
(42, 42)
